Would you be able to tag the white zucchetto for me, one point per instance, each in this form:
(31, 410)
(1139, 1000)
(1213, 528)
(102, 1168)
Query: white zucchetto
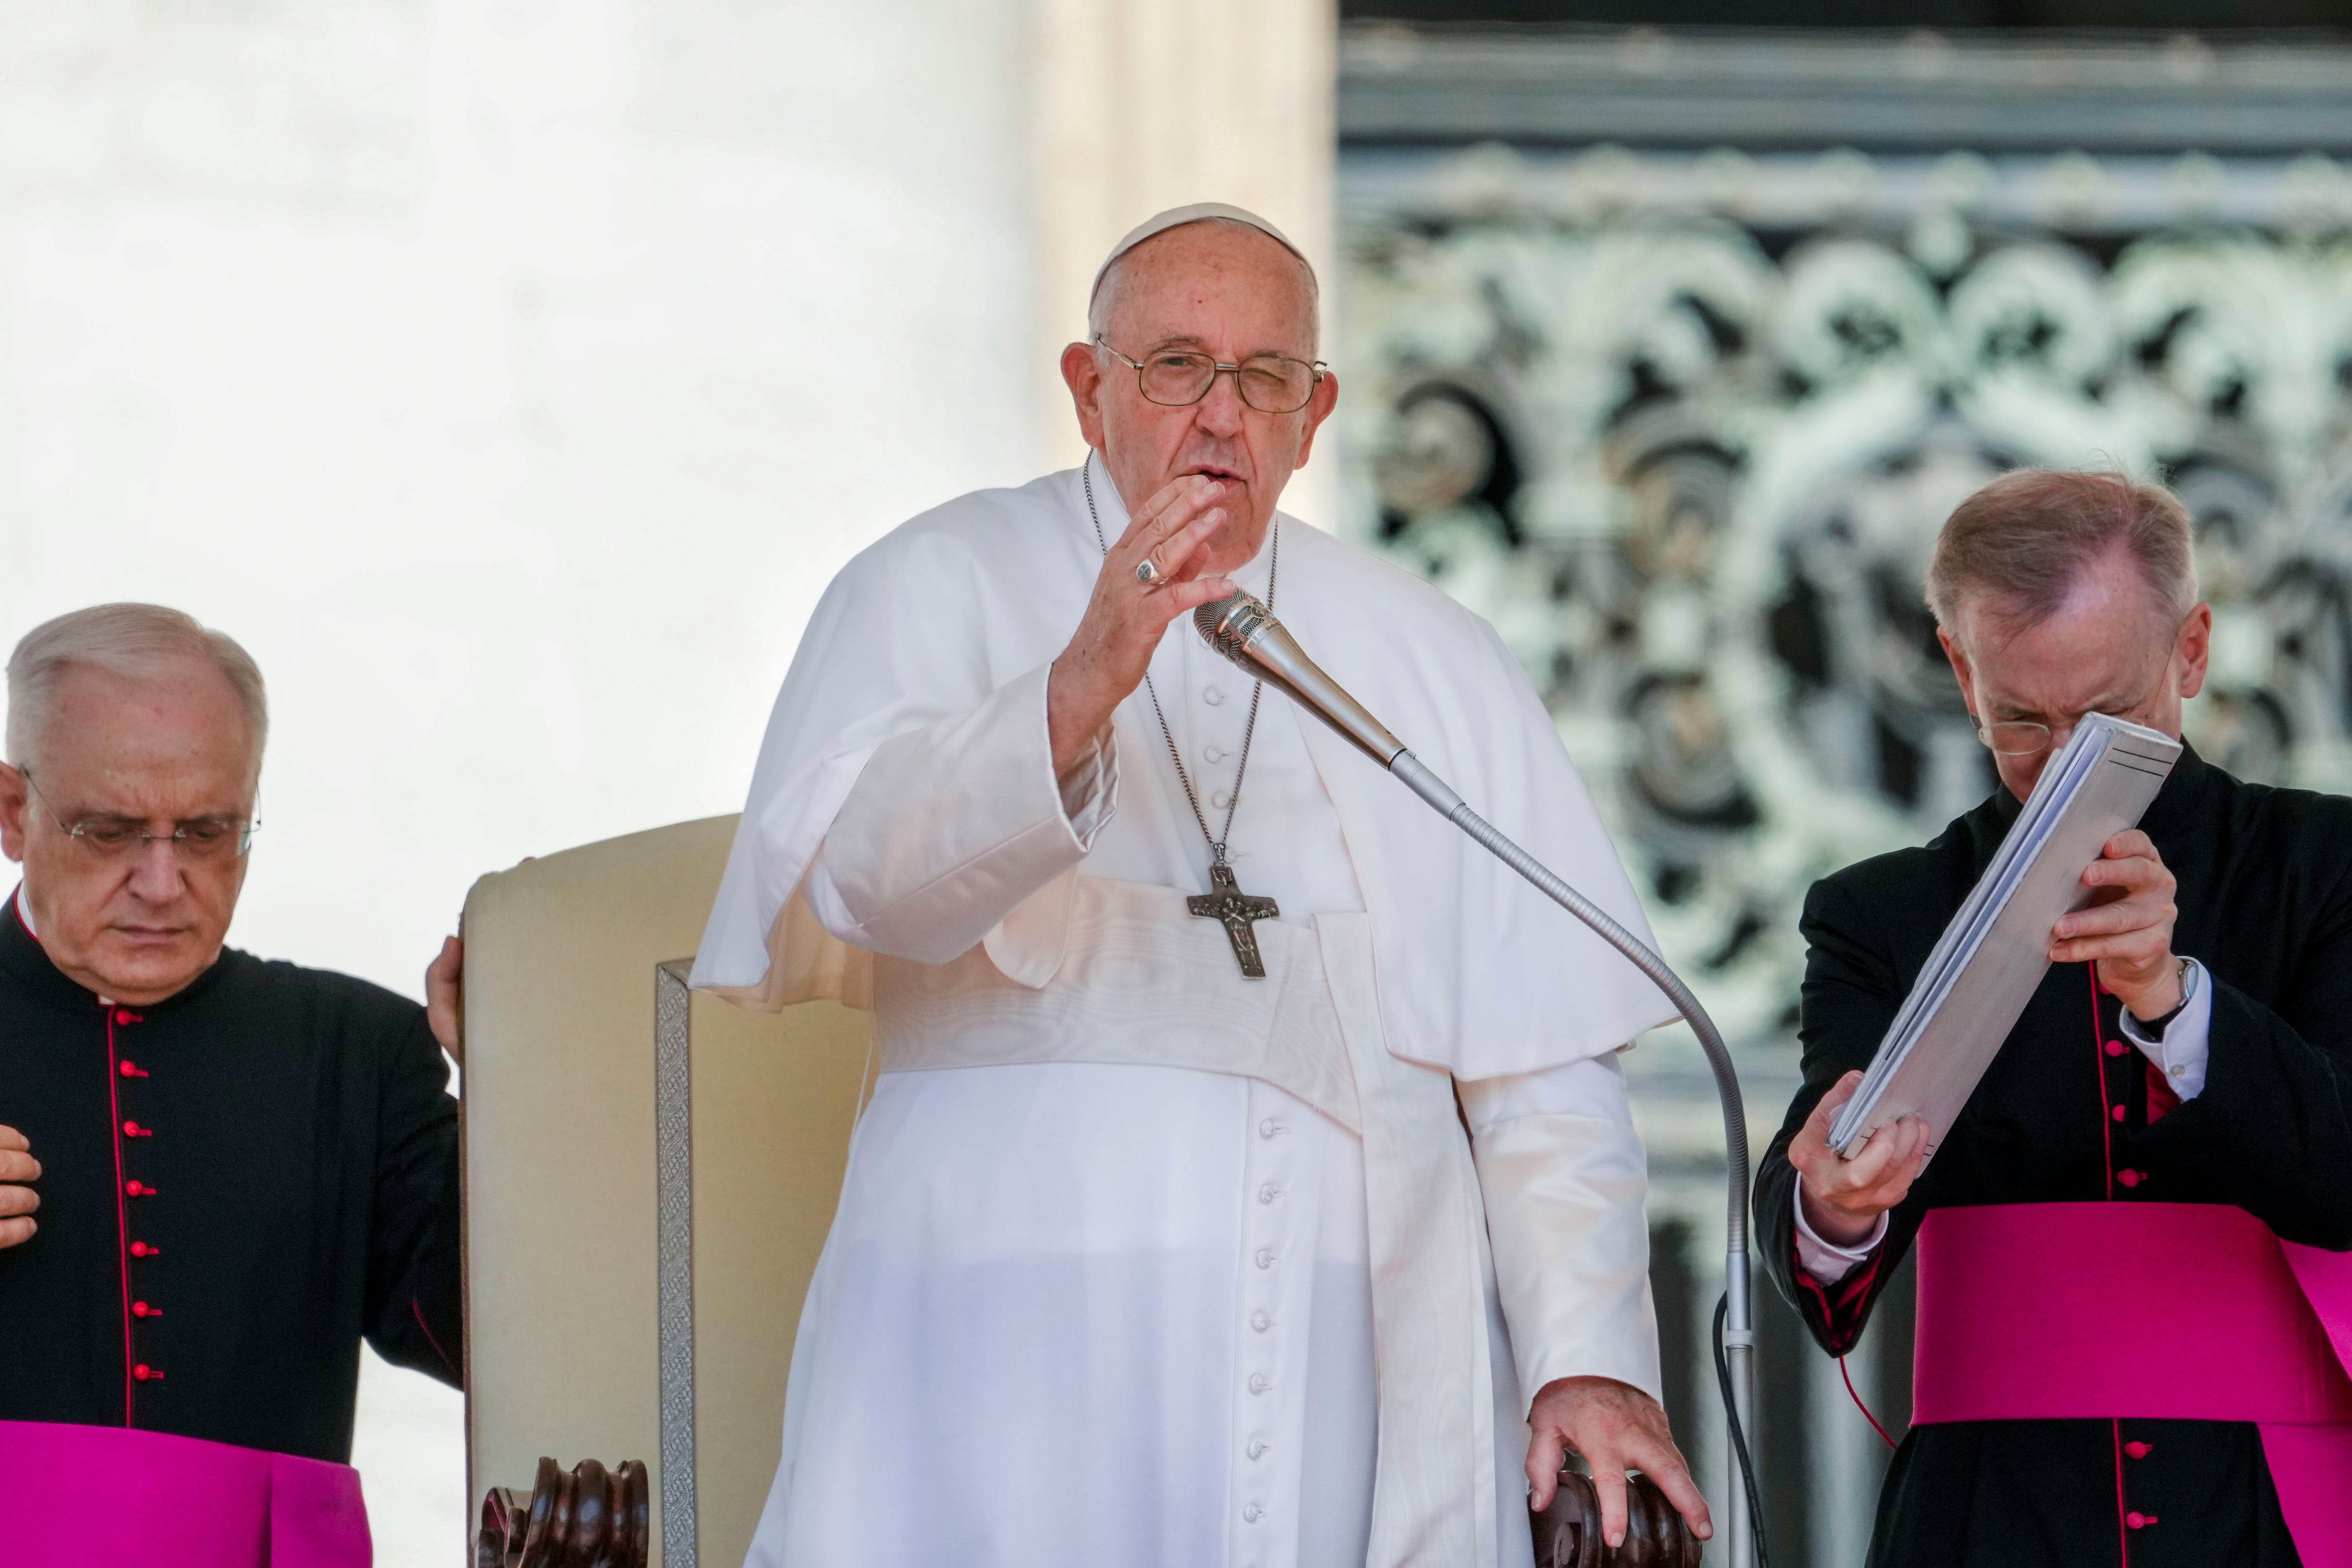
(1177, 218)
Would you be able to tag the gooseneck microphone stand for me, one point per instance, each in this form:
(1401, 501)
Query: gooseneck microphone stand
(1245, 632)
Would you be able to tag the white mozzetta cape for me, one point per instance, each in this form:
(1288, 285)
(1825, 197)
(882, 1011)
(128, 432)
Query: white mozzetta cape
(1478, 974)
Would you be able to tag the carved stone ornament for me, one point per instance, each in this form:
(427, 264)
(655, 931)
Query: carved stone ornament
(1568, 1533)
(586, 1517)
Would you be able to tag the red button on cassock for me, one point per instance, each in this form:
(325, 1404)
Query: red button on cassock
(2137, 1450)
(123, 1016)
(139, 1189)
(2114, 1048)
(140, 1249)
(141, 1309)
(2140, 1521)
(2117, 1114)
(2131, 1178)
(131, 1069)
(146, 1373)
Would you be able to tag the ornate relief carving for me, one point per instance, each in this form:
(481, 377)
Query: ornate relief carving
(1683, 428)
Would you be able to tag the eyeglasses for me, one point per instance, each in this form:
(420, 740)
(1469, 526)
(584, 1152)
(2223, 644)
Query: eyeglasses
(2027, 738)
(201, 838)
(1178, 378)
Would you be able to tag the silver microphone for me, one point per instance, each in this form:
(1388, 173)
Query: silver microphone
(1244, 630)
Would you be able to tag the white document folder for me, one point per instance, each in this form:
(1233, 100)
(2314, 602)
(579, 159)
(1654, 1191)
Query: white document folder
(1989, 959)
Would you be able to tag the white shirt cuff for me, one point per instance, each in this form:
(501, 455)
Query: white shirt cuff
(1090, 789)
(2180, 1051)
(1825, 1261)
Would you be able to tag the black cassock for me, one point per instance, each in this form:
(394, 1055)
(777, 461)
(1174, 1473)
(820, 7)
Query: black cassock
(2266, 904)
(237, 1185)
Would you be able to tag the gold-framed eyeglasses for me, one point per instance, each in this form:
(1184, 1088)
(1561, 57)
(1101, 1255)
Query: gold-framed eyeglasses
(1178, 378)
(114, 837)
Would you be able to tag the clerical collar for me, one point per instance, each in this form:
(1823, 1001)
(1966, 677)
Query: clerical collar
(25, 912)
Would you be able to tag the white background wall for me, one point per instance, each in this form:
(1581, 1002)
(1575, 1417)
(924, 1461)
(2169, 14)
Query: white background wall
(509, 376)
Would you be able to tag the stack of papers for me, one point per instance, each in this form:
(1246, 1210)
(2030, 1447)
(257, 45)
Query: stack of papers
(1989, 959)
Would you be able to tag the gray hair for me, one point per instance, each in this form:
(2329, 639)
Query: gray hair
(127, 640)
(1106, 295)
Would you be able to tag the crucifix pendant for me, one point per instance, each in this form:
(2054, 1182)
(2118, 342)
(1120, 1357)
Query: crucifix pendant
(1225, 902)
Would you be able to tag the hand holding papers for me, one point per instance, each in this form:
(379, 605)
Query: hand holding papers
(1991, 957)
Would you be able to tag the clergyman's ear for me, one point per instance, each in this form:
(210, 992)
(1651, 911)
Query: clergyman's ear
(1960, 670)
(13, 799)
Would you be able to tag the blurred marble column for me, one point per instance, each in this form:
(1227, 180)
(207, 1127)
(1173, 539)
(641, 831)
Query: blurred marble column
(1141, 105)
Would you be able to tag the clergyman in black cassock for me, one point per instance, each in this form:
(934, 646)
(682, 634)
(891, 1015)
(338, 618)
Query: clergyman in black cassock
(238, 1183)
(218, 1174)
(2069, 1112)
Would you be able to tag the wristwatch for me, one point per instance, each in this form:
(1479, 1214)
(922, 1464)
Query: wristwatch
(2188, 990)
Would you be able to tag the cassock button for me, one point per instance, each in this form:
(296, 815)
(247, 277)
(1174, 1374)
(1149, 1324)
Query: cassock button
(2117, 1114)
(146, 1373)
(2137, 1450)
(141, 1309)
(2131, 1178)
(1213, 753)
(139, 1189)
(1257, 1383)
(1212, 694)
(1257, 1449)
(1253, 1513)
(130, 1068)
(1266, 1256)
(2140, 1521)
(1260, 1321)
(2115, 1047)
(1220, 800)
(1268, 1193)
(1268, 1128)
(125, 1015)
(140, 1249)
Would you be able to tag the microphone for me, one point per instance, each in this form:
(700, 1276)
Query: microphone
(1244, 630)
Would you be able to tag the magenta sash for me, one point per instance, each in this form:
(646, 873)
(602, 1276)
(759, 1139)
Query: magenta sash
(99, 1497)
(2020, 1305)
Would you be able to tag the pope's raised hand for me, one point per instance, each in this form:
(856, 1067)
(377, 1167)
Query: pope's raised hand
(18, 1201)
(1844, 1198)
(1107, 655)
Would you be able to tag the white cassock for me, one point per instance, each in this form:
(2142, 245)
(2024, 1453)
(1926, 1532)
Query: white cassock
(1140, 1263)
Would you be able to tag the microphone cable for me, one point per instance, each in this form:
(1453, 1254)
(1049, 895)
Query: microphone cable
(1739, 1436)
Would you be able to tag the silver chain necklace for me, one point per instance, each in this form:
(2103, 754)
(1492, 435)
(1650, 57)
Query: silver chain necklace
(1225, 900)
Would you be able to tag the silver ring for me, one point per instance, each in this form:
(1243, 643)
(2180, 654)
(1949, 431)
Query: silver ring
(1146, 572)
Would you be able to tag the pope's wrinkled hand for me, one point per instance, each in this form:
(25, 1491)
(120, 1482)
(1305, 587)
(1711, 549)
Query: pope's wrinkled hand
(1616, 1428)
(1843, 1198)
(18, 1201)
(1126, 617)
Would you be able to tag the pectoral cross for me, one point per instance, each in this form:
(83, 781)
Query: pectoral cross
(1225, 902)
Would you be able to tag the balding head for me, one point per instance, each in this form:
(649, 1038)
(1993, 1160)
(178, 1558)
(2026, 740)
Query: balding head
(1208, 243)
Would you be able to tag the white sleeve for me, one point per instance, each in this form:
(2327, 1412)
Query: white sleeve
(948, 828)
(1826, 1260)
(1563, 1174)
(2179, 1052)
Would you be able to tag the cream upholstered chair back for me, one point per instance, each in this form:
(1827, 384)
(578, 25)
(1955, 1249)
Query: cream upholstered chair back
(649, 1176)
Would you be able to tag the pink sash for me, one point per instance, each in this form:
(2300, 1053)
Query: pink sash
(2020, 1305)
(108, 1496)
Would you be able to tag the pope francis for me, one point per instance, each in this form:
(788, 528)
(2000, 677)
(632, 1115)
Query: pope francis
(1249, 1179)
